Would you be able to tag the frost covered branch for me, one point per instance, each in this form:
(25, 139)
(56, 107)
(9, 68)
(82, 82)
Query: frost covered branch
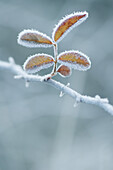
(21, 74)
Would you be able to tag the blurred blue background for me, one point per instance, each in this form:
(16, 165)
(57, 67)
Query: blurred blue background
(38, 129)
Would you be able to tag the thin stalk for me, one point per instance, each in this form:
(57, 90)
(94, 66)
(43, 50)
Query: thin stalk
(55, 56)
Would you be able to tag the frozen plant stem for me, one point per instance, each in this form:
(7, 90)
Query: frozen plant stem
(21, 74)
(55, 56)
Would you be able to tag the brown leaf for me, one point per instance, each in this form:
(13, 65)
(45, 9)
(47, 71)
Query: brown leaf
(64, 70)
(33, 38)
(74, 59)
(67, 24)
(37, 62)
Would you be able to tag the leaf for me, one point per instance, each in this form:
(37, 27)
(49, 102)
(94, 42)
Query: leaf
(66, 24)
(64, 71)
(75, 59)
(38, 62)
(33, 38)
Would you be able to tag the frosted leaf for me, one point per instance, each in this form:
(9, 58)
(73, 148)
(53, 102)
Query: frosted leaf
(38, 62)
(64, 71)
(33, 39)
(74, 59)
(66, 24)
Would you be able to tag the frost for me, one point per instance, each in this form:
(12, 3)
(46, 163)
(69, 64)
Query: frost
(32, 65)
(11, 60)
(61, 94)
(27, 84)
(74, 61)
(77, 101)
(66, 19)
(64, 71)
(75, 104)
(68, 84)
(18, 77)
(105, 100)
(97, 97)
(34, 39)
(45, 77)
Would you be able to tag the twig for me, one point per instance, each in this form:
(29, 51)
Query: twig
(21, 74)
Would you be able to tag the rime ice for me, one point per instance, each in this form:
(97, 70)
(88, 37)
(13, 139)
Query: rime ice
(66, 24)
(38, 62)
(64, 71)
(74, 59)
(68, 59)
(34, 39)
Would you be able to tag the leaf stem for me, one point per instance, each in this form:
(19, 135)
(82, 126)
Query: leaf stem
(55, 56)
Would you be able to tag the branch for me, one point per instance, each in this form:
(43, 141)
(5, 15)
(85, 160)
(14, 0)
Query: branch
(21, 74)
